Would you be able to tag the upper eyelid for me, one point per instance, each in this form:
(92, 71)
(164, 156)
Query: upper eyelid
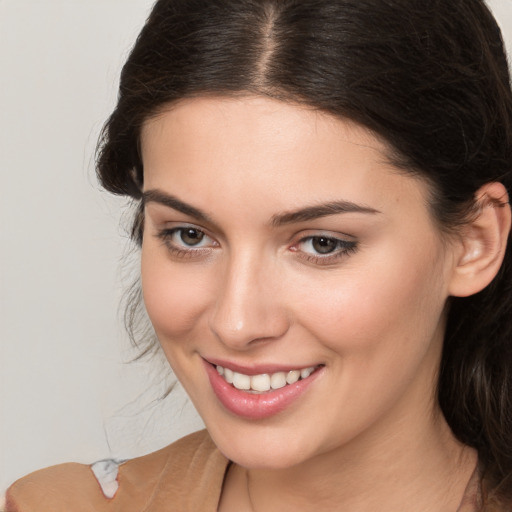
(175, 229)
(342, 241)
(304, 235)
(181, 226)
(314, 233)
(345, 248)
(162, 215)
(330, 237)
(166, 224)
(291, 220)
(171, 231)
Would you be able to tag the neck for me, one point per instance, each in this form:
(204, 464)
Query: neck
(428, 471)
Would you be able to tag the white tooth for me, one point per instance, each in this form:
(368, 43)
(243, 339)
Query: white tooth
(278, 380)
(228, 375)
(306, 372)
(241, 381)
(260, 382)
(220, 370)
(293, 376)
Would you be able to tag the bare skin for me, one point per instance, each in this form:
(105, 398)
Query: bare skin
(231, 272)
(434, 483)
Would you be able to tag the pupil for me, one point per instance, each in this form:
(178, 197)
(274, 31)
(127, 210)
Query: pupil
(324, 245)
(191, 236)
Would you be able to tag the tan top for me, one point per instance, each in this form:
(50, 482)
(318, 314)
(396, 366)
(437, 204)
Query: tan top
(186, 476)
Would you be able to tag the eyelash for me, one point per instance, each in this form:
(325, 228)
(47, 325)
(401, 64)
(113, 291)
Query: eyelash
(341, 248)
(167, 235)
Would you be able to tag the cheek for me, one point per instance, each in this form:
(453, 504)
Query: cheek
(175, 296)
(396, 299)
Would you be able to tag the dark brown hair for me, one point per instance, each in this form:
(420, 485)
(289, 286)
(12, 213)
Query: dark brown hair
(429, 76)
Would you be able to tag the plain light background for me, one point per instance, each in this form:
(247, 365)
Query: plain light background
(66, 393)
(66, 390)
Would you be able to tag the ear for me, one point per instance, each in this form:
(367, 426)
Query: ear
(483, 242)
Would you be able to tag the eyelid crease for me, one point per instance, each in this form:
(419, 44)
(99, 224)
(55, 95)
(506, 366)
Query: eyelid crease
(169, 232)
(340, 242)
(183, 252)
(345, 249)
(342, 250)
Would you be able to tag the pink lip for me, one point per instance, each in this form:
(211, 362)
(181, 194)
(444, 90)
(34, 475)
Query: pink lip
(256, 406)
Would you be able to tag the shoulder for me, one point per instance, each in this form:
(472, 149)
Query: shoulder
(57, 488)
(138, 482)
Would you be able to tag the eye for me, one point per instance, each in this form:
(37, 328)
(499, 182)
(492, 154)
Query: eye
(186, 240)
(323, 249)
(323, 245)
(190, 236)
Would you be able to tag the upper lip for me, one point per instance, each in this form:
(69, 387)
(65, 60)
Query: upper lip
(257, 369)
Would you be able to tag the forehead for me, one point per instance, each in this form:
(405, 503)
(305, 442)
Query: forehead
(256, 121)
(255, 148)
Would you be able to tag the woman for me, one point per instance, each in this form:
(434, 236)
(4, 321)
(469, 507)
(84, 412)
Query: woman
(323, 215)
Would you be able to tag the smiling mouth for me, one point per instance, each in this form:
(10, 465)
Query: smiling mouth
(264, 382)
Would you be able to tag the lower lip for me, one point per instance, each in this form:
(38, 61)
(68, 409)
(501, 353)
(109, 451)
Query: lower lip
(261, 405)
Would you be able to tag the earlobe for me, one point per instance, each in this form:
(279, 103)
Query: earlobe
(483, 242)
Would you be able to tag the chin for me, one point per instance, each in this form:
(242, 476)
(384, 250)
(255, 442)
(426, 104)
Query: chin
(263, 459)
(262, 447)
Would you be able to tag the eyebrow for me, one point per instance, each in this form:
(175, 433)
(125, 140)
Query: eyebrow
(157, 196)
(322, 210)
(301, 215)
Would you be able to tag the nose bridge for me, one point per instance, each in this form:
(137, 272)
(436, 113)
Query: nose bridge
(247, 307)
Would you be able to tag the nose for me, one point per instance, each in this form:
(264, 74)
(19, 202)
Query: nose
(248, 308)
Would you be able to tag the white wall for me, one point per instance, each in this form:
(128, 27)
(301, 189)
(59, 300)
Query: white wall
(64, 392)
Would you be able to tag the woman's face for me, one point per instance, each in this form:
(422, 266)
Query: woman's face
(277, 240)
